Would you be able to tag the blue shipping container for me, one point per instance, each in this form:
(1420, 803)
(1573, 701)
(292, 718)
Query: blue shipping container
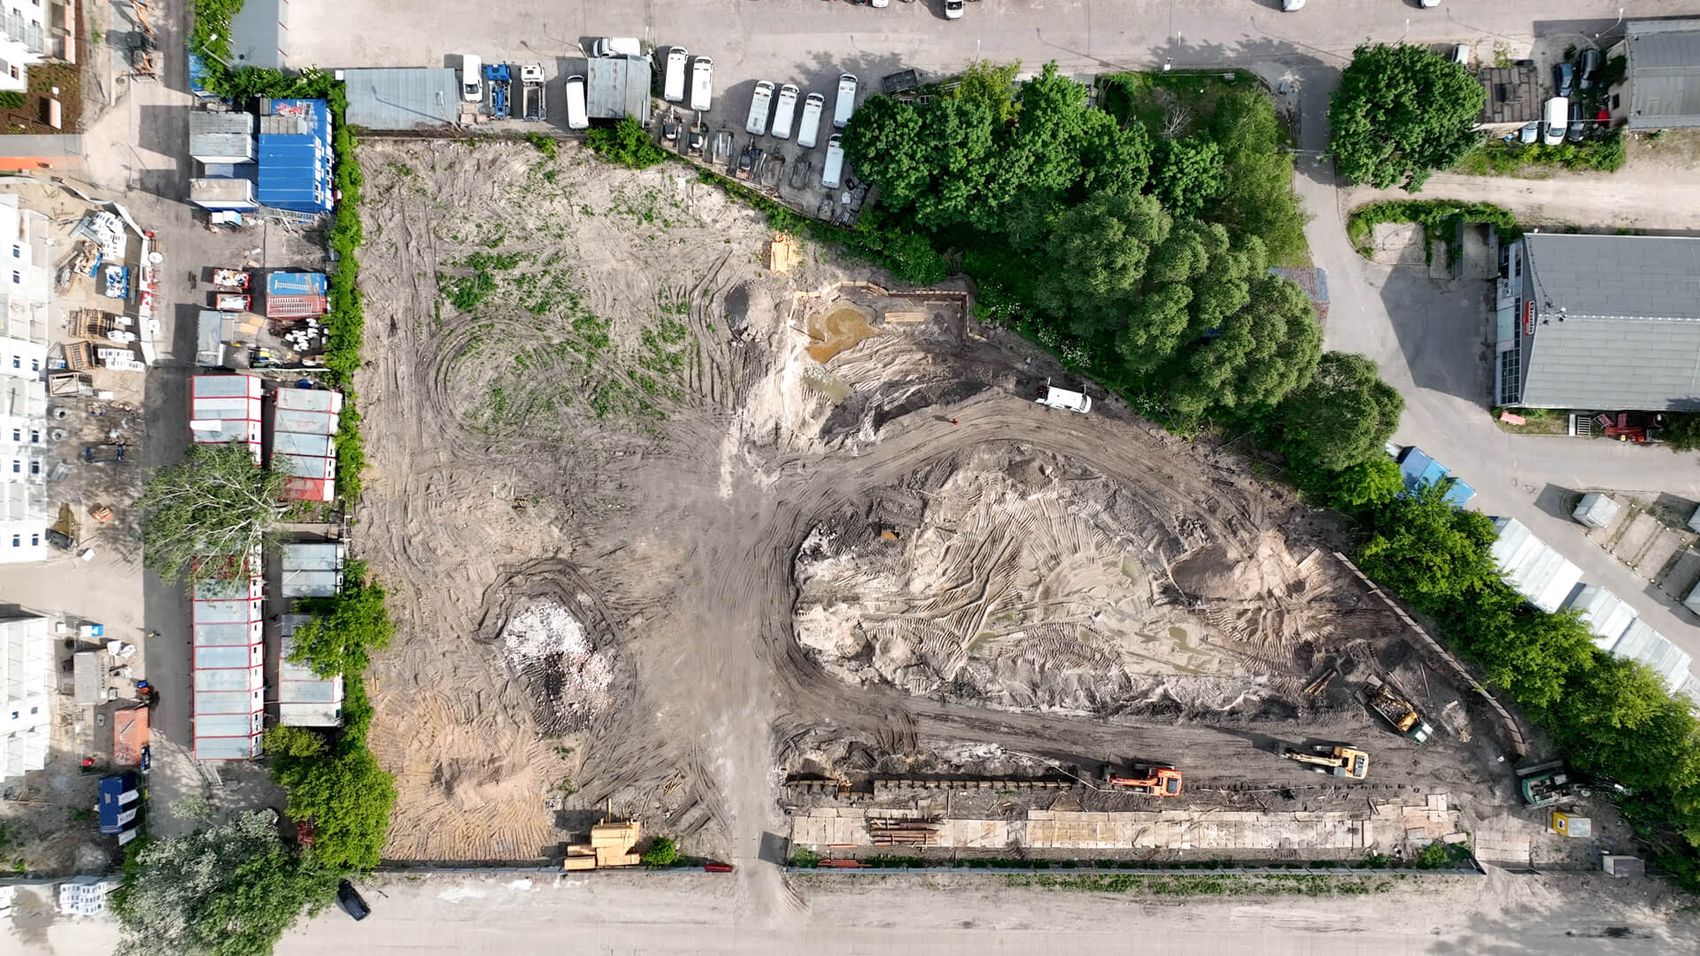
(119, 801)
(1419, 470)
(297, 283)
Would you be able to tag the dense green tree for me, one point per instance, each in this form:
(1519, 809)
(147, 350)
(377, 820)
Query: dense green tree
(1048, 133)
(1162, 318)
(1189, 173)
(1343, 417)
(1257, 197)
(1097, 258)
(1429, 551)
(1112, 159)
(348, 797)
(1400, 113)
(1259, 353)
(883, 142)
(662, 852)
(1529, 653)
(345, 627)
(626, 143)
(226, 889)
(1368, 484)
(1682, 431)
(992, 85)
(959, 137)
(201, 519)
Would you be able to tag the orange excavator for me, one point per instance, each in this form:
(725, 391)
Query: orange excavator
(1157, 781)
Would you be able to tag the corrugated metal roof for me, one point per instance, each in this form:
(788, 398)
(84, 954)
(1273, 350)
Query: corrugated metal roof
(1605, 614)
(259, 34)
(294, 155)
(227, 748)
(1544, 577)
(401, 99)
(1669, 662)
(1663, 73)
(1619, 322)
(220, 137)
(618, 86)
(1597, 510)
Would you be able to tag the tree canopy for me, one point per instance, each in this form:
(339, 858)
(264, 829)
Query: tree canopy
(1400, 113)
(1343, 417)
(1429, 551)
(345, 627)
(202, 518)
(1189, 173)
(226, 889)
(348, 797)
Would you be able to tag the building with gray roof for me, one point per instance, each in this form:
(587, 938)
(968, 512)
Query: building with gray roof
(1661, 82)
(397, 99)
(1601, 323)
(618, 86)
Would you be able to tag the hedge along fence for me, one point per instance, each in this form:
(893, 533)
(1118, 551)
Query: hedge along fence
(1438, 217)
(345, 327)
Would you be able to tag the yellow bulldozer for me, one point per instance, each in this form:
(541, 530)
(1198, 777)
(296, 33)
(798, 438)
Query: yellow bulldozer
(1339, 761)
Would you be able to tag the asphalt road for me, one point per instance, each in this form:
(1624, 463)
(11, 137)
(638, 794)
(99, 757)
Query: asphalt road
(518, 914)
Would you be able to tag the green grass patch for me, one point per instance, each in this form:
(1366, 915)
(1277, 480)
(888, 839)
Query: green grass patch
(1499, 158)
(1214, 884)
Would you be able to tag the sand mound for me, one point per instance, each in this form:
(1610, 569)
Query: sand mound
(1225, 572)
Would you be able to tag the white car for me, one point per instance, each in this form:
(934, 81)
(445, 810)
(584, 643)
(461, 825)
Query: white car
(1066, 398)
(1425, 4)
(1288, 6)
(879, 3)
(953, 9)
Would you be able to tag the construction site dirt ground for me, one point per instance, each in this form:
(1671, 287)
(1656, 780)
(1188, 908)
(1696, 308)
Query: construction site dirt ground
(663, 527)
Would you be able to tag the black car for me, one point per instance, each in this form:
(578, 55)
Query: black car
(1563, 77)
(1590, 67)
(351, 902)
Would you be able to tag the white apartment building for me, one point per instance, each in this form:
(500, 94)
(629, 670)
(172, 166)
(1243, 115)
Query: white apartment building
(23, 427)
(26, 269)
(23, 40)
(26, 695)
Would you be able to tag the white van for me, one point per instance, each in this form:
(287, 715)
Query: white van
(808, 131)
(1557, 120)
(833, 172)
(846, 101)
(471, 79)
(785, 111)
(673, 82)
(616, 46)
(1064, 398)
(756, 124)
(578, 117)
(702, 84)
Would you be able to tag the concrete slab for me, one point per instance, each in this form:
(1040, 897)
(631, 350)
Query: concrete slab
(1635, 539)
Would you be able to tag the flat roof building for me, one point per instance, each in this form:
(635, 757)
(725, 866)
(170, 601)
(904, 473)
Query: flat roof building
(618, 86)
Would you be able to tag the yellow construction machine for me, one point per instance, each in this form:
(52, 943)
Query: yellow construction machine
(1339, 761)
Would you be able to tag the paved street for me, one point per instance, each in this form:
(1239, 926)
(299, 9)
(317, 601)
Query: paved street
(517, 914)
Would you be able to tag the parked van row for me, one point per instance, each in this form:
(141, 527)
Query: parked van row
(699, 76)
(783, 110)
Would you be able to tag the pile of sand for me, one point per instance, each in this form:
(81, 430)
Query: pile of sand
(1224, 572)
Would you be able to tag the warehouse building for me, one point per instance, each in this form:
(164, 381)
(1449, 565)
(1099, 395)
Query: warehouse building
(1601, 323)
(1661, 80)
(618, 86)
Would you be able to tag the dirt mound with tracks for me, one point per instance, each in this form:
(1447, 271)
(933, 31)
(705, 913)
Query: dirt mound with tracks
(646, 509)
